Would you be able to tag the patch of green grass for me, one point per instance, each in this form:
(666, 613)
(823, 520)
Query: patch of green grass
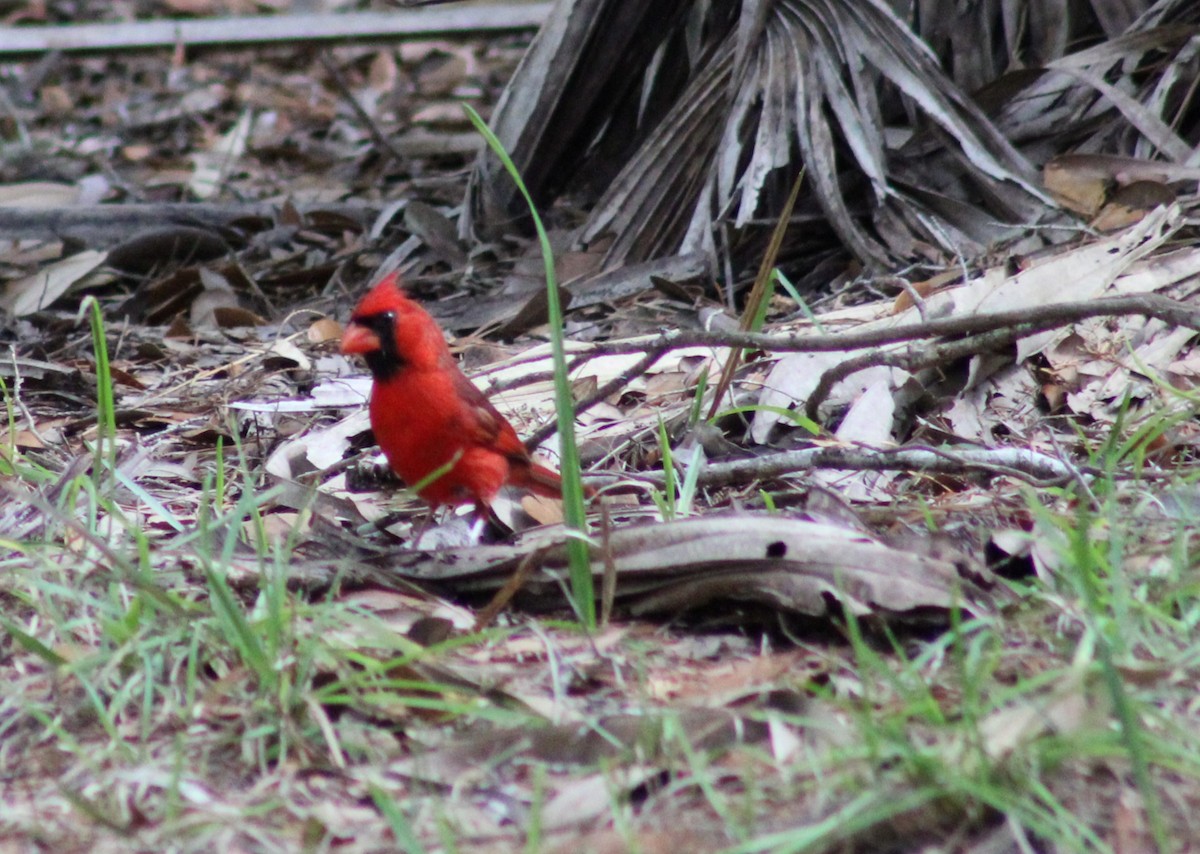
(163, 682)
(178, 654)
(1070, 703)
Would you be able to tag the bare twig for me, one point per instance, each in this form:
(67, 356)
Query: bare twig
(997, 335)
(381, 139)
(912, 359)
(19, 401)
(615, 384)
(983, 332)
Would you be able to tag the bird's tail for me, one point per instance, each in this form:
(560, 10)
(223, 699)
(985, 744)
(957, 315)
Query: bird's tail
(541, 481)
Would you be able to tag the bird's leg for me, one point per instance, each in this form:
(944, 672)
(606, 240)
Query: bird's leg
(481, 519)
(422, 526)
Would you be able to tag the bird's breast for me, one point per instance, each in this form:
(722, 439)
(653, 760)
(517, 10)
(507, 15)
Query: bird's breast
(421, 424)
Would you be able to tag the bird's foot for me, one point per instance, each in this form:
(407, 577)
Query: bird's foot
(477, 528)
(452, 532)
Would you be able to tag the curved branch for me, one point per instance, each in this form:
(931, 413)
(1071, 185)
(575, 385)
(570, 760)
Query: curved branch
(1047, 317)
(1027, 465)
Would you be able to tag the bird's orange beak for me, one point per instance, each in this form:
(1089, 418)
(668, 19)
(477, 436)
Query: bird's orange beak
(358, 339)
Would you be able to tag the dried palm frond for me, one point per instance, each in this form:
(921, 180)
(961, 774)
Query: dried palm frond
(1132, 94)
(570, 97)
(980, 41)
(669, 133)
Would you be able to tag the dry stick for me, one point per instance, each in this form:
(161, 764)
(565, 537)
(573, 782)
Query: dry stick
(913, 358)
(1048, 317)
(266, 29)
(985, 330)
(615, 384)
(511, 587)
(501, 386)
(1030, 466)
(498, 386)
(19, 401)
(381, 139)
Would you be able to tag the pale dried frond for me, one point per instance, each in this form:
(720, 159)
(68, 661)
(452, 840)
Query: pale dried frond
(707, 126)
(844, 89)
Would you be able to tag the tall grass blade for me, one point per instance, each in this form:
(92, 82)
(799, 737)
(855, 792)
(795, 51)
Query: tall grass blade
(579, 563)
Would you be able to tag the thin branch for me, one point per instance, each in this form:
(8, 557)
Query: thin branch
(615, 384)
(984, 332)
(382, 140)
(915, 358)
(912, 359)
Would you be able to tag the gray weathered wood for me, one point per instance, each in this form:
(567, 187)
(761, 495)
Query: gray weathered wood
(260, 29)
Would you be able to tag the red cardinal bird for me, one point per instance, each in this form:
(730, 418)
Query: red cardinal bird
(427, 415)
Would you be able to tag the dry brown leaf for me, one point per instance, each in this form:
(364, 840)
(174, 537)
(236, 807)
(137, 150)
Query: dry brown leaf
(25, 439)
(323, 330)
(38, 194)
(32, 293)
(1081, 190)
(545, 511)
(1063, 710)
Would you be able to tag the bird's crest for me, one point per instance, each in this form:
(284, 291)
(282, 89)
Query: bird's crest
(387, 295)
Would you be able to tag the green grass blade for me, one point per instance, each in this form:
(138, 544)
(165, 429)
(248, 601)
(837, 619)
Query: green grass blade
(579, 563)
(401, 829)
(106, 411)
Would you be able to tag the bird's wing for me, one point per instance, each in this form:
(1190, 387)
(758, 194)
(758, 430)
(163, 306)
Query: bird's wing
(486, 426)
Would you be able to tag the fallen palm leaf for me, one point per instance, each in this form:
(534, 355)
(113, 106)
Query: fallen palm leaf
(790, 564)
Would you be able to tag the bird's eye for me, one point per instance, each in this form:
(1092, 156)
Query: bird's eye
(389, 316)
